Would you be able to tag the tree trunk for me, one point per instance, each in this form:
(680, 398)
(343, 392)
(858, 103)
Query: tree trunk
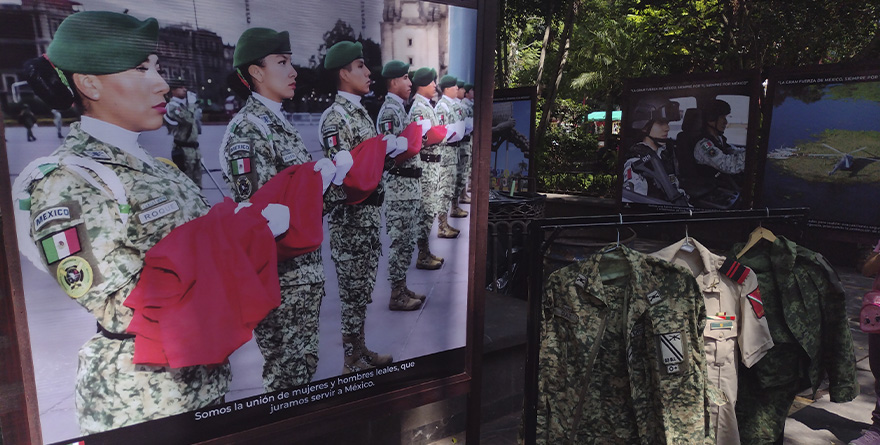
(559, 68)
(609, 108)
(548, 36)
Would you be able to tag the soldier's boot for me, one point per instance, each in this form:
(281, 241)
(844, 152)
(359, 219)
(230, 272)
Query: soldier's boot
(464, 198)
(414, 295)
(371, 357)
(353, 359)
(458, 212)
(444, 230)
(425, 260)
(400, 299)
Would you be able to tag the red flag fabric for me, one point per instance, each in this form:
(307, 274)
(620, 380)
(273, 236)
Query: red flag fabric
(413, 135)
(366, 172)
(298, 187)
(435, 135)
(204, 288)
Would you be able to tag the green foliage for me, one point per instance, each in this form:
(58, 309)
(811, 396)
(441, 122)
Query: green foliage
(570, 160)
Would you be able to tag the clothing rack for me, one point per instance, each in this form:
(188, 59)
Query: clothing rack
(538, 246)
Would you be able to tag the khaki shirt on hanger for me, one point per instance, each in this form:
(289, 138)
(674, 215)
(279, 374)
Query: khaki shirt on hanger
(729, 291)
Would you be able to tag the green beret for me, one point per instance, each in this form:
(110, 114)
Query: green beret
(468, 87)
(395, 69)
(256, 43)
(460, 83)
(102, 42)
(342, 54)
(447, 81)
(424, 76)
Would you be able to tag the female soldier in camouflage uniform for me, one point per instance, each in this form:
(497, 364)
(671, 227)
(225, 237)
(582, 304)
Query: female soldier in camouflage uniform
(100, 202)
(258, 144)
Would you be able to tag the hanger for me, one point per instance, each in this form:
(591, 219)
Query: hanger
(688, 246)
(617, 245)
(757, 235)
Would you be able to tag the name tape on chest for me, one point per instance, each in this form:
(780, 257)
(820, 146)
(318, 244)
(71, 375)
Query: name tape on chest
(158, 212)
(287, 155)
(566, 313)
(154, 201)
(53, 214)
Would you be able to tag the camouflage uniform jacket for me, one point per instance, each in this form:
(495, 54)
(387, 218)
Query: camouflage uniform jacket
(805, 306)
(421, 109)
(257, 145)
(468, 106)
(392, 119)
(448, 112)
(343, 126)
(718, 154)
(185, 117)
(621, 355)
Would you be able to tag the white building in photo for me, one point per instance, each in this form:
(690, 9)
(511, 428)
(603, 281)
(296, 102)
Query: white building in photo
(417, 33)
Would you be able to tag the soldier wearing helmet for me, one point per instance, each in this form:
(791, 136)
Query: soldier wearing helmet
(650, 171)
(713, 150)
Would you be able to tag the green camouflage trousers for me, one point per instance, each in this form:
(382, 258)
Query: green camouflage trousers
(401, 223)
(288, 337)
(463, 174)
(437, 192)
(355, 249)
(112, 392)
(188, 160)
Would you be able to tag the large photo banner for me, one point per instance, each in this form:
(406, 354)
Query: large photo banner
(823, 144)
(231, 213)
(686, 141)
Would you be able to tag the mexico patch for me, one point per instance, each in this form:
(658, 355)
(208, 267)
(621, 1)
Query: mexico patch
(239, 148)
(386, 126)
(55, 213)
(331, 141)
(60, 245)
(756, 302)
(75, 276)
(240, 166)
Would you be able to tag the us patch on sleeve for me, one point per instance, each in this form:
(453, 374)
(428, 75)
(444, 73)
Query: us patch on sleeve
(735, 271)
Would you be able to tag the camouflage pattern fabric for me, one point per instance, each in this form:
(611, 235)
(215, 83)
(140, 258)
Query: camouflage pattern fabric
(257, 146)
(720, 156)
(188, 159)
(434, 175)
(102, 267)
(403, 195)
(448, 112)
(465, 152)
(804, 303)
(621, 357)
(354, 229)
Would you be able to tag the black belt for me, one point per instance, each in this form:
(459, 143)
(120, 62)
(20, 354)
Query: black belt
(113, 335)
(375, 199)
(187, 144)
(406, 172)
(466, 139)
(429, 158)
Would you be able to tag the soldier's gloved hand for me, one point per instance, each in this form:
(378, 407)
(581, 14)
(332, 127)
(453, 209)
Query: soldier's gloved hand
(343, 162)
(328, 171)
(456, 131)
(425, 124)
(278, 217)
(468, 125)
(394, 145)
